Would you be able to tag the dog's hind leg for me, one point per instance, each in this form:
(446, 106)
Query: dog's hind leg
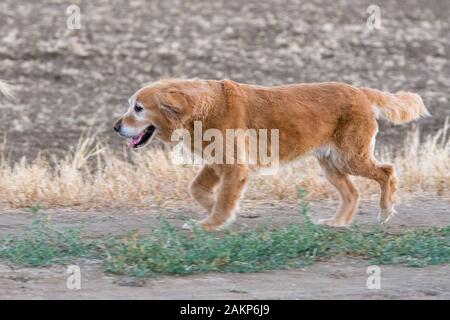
(347, 191)
(356, 146)
(203, 186)
(384, 174)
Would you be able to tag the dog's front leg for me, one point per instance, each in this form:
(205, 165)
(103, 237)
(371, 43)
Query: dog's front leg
(233, 181)
(203, 187)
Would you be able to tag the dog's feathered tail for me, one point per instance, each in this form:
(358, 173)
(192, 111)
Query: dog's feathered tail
(6, 90)
(400, 107)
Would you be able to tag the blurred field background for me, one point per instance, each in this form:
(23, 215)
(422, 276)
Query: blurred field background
(71, 81)
(72, 192)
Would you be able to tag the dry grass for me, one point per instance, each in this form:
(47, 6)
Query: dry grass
(93, 176)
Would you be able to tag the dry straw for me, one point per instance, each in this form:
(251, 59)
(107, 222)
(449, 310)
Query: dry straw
(93, 176)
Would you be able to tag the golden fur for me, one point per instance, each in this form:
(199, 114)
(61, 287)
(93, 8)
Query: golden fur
(335, 122)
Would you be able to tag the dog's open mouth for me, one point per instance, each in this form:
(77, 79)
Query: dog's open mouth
(141, 139)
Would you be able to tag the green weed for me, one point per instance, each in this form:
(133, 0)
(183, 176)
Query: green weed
(169, 250)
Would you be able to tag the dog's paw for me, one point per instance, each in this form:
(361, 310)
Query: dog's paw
(214, 223)
(386, 214)
(205, 224)
(209, 225)
(332, 222)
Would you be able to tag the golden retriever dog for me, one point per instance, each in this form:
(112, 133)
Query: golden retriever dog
(334, 122)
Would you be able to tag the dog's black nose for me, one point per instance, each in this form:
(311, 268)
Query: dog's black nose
(117, 125)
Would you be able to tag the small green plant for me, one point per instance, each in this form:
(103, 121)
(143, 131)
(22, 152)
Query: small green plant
(35, 208)
(44, 245)
(169, 250)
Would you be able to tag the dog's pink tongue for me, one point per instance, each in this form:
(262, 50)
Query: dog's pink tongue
(135, 140)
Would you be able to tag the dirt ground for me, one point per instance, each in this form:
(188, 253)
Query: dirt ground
(337, 278)
(70, 80)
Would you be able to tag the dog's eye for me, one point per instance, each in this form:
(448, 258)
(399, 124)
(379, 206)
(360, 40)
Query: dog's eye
(138, 108)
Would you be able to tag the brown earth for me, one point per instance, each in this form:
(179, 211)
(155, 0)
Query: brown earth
(70, 80)
(336, 278)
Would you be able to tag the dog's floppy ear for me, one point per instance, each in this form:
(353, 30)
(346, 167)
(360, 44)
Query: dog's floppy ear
(170, 110)
(176, 103)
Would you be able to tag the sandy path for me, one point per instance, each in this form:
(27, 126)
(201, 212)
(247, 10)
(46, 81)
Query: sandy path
(340, 278)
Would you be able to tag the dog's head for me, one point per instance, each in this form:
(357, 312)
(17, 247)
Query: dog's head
(158, 109)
